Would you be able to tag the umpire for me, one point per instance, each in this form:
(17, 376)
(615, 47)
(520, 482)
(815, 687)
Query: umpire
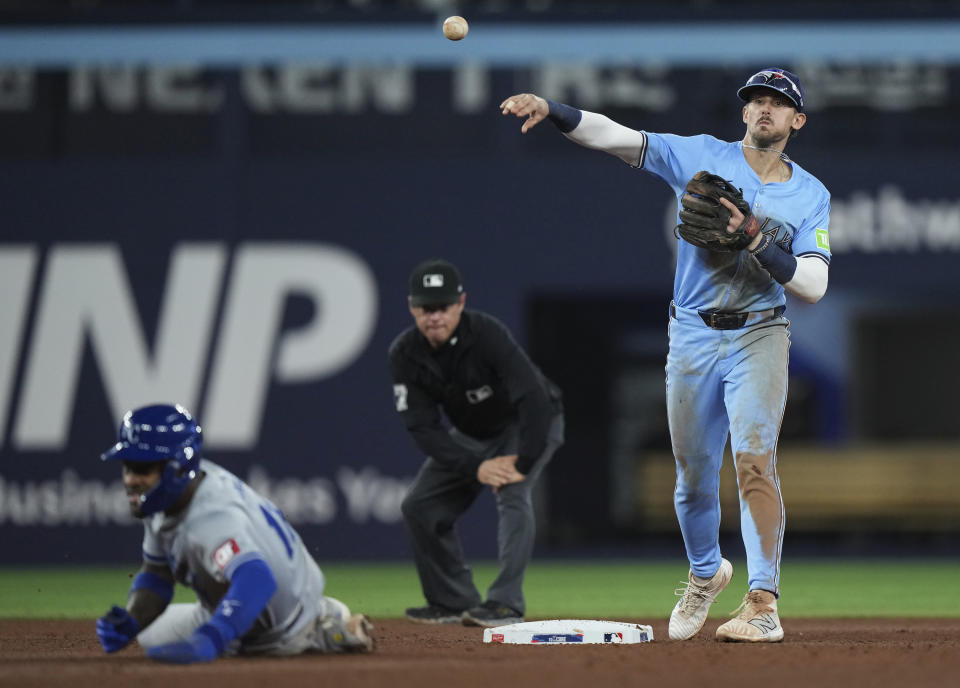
(505, 421)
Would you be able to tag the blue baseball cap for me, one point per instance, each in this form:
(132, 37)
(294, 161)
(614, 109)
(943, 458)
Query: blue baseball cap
(776, 79)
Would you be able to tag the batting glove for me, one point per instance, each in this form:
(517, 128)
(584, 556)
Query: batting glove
(116, 629)
(199, 647)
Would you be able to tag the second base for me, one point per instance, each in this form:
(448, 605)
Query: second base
(569, 632)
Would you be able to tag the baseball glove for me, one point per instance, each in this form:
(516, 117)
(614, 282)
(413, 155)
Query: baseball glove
(703, 219)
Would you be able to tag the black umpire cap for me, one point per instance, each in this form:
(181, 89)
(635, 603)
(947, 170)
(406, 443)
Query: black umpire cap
(435, 282)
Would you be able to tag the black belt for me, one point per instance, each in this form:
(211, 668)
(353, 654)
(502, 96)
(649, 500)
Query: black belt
(726, 321)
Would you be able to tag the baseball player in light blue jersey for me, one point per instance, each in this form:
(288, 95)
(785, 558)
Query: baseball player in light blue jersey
(729, 341)
(258, 589)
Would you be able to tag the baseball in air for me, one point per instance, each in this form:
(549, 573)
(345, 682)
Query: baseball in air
(455, 28)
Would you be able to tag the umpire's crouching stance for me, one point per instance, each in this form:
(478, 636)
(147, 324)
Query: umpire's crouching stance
(506, 422)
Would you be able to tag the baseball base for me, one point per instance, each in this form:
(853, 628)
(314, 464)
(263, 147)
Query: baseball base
(569, 632)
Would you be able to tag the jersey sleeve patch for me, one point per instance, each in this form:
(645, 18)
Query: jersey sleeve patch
(225, 553)
(823, 239)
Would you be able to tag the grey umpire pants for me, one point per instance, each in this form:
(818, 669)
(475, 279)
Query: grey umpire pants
(439, 496)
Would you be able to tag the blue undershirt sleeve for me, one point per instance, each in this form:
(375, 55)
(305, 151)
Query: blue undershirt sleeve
(780, 264)
(251, 588)
(565, 117)
(148, 580)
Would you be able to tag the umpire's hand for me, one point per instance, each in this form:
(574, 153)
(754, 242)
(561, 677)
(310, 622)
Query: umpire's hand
(500, 471)
(528, 105)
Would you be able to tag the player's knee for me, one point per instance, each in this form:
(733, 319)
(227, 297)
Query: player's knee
(692, 493)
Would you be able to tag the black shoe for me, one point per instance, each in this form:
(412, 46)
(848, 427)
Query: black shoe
(491, 613)
(433, 614)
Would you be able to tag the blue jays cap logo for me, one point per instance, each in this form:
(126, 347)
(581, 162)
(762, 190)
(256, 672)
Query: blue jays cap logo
(777, 79)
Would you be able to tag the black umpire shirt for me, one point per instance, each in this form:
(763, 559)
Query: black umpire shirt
(482, 380)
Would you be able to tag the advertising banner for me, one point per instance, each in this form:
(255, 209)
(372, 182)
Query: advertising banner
(239, 241)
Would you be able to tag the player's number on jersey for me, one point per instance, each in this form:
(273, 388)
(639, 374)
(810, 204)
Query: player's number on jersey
(276, 521)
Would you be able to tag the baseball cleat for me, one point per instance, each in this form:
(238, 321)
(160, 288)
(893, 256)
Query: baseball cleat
(756, 622)
(491, 613)
(691, 610)
(335, 607)
(359, 636)
(433, 614)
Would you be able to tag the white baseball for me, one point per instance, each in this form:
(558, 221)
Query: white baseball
(455, 28)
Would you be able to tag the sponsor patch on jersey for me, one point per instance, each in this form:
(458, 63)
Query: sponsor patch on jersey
(223, 554)
(400, 397)
(823, 239)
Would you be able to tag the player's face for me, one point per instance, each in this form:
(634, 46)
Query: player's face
(138, 479)
(438, 322)
(770, 118)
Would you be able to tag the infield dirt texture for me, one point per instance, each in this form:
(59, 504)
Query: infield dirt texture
(817, 652)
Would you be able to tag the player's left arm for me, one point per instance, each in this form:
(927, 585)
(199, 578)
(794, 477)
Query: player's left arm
(804, 275)
(809, 281)
(811, 247)
(252, 584)
(228, 552)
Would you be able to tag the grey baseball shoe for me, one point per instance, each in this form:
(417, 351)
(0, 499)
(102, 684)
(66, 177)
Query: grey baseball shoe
(756, 622)
(433, 614)
(336, 635)
(491, 613)
(691, 611)
(359, 634)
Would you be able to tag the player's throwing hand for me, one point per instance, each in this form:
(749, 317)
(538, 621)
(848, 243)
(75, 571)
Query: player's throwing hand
(528, 105)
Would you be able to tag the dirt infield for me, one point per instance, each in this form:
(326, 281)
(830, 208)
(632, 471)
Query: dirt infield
(816, 652)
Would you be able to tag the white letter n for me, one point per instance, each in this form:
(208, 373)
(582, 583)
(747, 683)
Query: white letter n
(84, 294)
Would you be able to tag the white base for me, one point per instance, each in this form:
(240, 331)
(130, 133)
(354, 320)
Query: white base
(569, 632)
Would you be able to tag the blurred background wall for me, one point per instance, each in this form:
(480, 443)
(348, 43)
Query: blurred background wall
(218, 203)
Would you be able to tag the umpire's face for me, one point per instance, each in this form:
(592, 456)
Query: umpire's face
(437, 322)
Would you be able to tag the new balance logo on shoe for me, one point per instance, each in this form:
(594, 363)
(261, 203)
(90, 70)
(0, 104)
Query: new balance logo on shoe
(756, 620)
(764, 622)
